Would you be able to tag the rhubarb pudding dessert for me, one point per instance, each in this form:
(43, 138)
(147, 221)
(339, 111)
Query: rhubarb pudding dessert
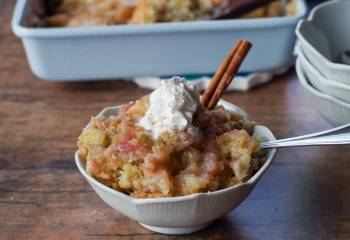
(68, 13)
(168, 144)
(111, 12)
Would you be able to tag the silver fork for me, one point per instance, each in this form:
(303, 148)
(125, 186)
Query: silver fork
(335, 136)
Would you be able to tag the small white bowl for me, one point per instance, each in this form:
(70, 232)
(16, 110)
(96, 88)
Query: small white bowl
(185, 214)
(333, 110)
(324, 36)
(338, 90)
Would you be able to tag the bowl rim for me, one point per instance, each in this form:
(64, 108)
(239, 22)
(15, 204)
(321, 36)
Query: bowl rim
(303, 80)
(307, 65)
(252, 181)
(309, 46)
(191, 26)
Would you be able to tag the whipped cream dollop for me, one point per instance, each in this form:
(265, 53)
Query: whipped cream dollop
(171, 107)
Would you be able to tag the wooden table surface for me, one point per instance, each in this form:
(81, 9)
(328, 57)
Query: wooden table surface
(304, 195)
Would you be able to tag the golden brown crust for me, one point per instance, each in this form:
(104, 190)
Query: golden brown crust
(107, 12)
(111, 12)
(89, 13)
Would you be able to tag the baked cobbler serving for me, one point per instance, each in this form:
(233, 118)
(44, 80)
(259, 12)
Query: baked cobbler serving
(168, 144)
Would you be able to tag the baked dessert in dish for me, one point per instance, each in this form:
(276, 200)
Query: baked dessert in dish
(111, 12)
(152, 11)
(168, 144)
(89, 13)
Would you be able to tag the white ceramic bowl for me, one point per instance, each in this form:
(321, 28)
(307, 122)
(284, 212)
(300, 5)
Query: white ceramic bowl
(333, 110)
(185, 214)
(324, 36)
(338, 90)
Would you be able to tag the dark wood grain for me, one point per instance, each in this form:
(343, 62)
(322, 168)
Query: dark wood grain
(304, 195)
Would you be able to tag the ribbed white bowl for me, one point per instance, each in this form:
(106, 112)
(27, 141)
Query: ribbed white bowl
(333, 110)
(338, 90)
(179, 215)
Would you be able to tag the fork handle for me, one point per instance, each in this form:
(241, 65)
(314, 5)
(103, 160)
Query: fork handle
(335, 136)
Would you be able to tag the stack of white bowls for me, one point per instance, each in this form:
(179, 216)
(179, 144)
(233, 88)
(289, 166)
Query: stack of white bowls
(323, 67)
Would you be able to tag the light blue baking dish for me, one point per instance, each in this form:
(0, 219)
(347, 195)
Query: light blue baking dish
(124, 51)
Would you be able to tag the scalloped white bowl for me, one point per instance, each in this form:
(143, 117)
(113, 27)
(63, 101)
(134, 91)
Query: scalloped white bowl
(324, 36)
(184, 214)
(338, 90)
(335, 111)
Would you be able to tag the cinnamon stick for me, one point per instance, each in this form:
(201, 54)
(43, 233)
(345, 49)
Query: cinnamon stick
(218, 75)
(228, 75)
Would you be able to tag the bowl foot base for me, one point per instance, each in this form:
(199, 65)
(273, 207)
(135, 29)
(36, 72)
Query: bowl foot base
(175, 231)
